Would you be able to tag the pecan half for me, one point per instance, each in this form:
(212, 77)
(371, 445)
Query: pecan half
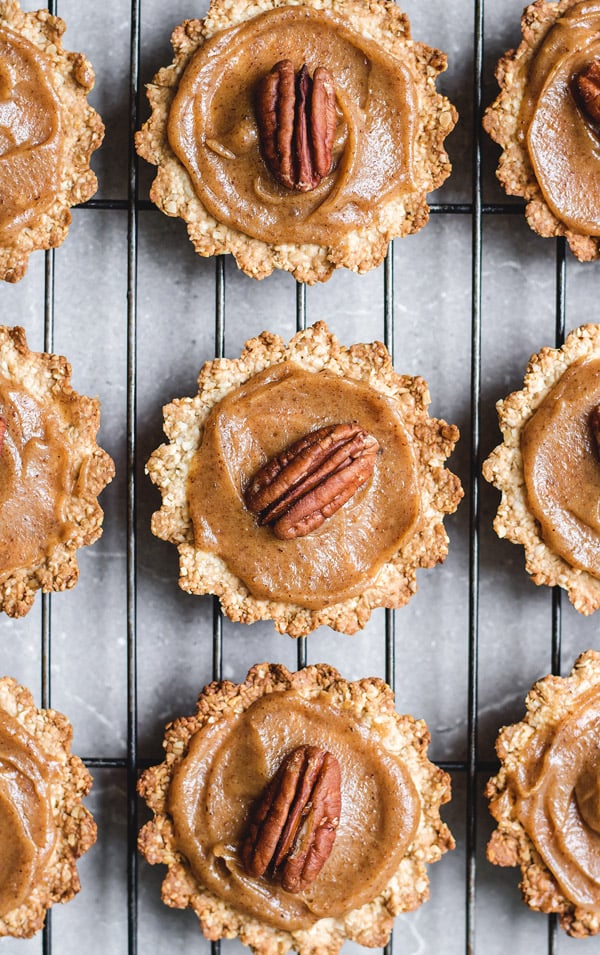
(296, 124)
(588, 86)
(595, 427)
(294, 825)
(2, 432)
(297, 490)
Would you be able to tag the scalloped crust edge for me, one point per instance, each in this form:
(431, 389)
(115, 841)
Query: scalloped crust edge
(515, 171)
(360, 250)
(76, 829)
(372, 703)
(84, 132)
(547, 702)
(314, 349)
(47, 377)
(504, 469)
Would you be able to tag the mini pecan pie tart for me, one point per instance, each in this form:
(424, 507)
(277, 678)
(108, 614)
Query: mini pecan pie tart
(548, 467)
(546, 797)
(296, 810)
(44, 827)
(547, 120)
(304, 483)
(298, 136)
(47, 134)
(51, 472)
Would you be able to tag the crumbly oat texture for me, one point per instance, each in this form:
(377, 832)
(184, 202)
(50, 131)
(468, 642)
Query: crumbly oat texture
(47, 379)
(504, 469)
(76, 830)
(360, 250)
(549, 701)
(371, 702)
(501, 121)
(314, 349)
(82, 128)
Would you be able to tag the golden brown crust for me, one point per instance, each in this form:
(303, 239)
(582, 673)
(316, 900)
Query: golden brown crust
(73, 79)
(47, 378)
(515, 171)
(504, 469)
(361, 250)
(371, 702)
(549, 701)
(314, 349)
(76, 829)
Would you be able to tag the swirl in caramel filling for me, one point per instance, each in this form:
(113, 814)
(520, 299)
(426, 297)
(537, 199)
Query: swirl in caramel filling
(31, 138)
(562, 467)
(36, 480)
(27, 829)
(228, 764)
(556, 792)
(563, 140)
(213, 128)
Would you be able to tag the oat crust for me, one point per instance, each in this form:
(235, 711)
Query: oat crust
(47, 378)
(548, 702)
(73, 78)
(515, 171)
(314, 349)
(76, 830)
(371, 702)
(504, 469)
(361, 250)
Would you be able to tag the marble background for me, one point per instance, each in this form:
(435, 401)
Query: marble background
(175, 335)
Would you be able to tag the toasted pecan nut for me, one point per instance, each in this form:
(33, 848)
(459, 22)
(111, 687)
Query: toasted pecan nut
(294, 827)
(588, 86)
(297, 490)
(297, 119)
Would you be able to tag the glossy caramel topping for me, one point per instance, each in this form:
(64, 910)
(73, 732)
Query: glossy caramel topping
(213, 130)
(562, 468)
(258, 420)
(31, 139)
(563, 142)
(225, 771)
(35, 480)
(556, 799)
(27, 830)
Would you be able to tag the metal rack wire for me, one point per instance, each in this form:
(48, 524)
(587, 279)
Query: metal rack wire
(477, 209)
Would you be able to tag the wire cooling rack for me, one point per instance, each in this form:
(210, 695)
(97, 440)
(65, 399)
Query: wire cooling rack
(469, 770)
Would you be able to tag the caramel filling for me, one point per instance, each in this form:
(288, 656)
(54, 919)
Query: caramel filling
(27, 830)
(213, 129)
(31, 138)
(562, 469)
(35, 481)
(563, 142)
(258, 420)
(225, 771)
(556, 799)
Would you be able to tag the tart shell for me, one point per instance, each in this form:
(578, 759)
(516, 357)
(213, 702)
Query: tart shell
(547, 703)
(76, 830)
(372, 703)
(360, 250)
(501, 121)
(314, 349)
(73, 78)
(47, 378)
(504, 469)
